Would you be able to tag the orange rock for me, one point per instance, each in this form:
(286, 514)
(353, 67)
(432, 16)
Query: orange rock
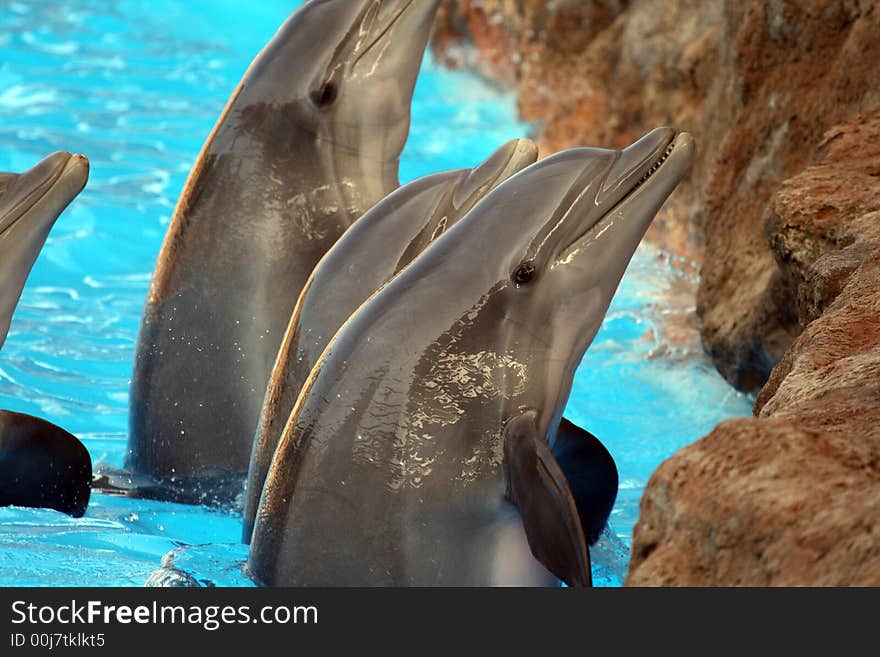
(788, 501)
(841, 349)
(791, 497)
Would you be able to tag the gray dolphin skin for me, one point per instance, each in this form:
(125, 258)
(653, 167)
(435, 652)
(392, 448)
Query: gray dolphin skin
(30, 203)
(431, 411)
(41, 465)
(380, 244)
(308, 142)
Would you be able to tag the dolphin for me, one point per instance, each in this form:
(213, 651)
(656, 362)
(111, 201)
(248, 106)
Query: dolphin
(42, 465)
(418, 452)
(309, 141)
(30, 203)
(378, 246)
(590, 473)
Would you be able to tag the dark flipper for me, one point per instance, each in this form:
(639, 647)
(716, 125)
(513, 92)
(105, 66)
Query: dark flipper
(591, 475)
(214, 490)
(42, 465)
(539, 489)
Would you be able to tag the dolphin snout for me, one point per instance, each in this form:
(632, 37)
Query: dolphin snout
(636, 159)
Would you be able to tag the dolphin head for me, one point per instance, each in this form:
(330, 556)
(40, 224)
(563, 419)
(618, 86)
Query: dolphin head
(29, 205)
(379, 245)
(561, 234)
(346, 69)
(459, 192)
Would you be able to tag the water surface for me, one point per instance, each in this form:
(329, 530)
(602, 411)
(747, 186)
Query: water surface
(137, 86)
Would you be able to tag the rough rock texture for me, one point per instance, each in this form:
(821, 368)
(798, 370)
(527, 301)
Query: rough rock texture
(841, 349)
(824, 222)
(798, 69)
(600, 72)
(758, 82)
(779, 502)
(824, 226)
(793, 497)
(508, 40)
(783, 212)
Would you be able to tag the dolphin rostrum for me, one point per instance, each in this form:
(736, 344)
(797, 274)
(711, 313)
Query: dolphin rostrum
(433, 407)
(41, 465)
(30, 203)
(378, 246)
(308, 142)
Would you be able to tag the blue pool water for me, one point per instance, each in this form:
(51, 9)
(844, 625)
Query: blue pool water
(137, 86)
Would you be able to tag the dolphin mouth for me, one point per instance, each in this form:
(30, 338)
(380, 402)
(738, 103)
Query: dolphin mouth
(637, 170)
(653, 168)
(383, 30)
(677, 148)
(636, 164)
(39, 182)
(371, 15)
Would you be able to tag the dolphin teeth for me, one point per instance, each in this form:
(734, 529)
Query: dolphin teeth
(655, 166)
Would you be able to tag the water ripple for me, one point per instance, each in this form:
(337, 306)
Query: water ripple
(136, 89)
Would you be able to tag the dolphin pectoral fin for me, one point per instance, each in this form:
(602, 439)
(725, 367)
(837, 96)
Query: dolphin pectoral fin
(42, 466)
(538, 487)
(217, 489)
(591, 474)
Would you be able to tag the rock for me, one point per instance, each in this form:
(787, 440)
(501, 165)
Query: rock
(823, 225)
(791, 497)
(841, 349)
(507, 40)
(825, 221)
(789, 501)
(825, 278)
(797, 69)
(578, 78)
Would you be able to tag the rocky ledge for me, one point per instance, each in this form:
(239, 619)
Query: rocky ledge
(783, 213)
(792, 497)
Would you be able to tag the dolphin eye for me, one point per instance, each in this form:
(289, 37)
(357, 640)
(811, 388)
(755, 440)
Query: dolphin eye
(325, 95)
(524, 274)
